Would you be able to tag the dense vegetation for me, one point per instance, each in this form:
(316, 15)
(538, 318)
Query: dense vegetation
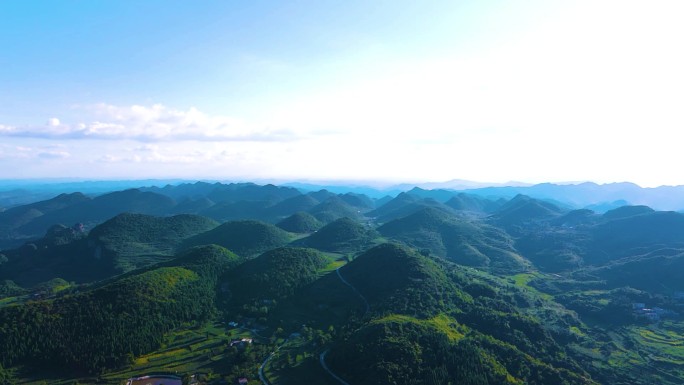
(300, 222)
(245, 238)
(128, 236)
(334, 208)
(343, 234)
(426, 328)
(460, 239)
(470, 290)
(121, 244)
(107, 326)
(274, 275)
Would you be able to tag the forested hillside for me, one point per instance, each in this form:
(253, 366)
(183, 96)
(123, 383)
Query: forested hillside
(429, 287)
(106, 327)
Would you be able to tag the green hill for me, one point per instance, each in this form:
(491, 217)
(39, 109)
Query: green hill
(440, 195)
(358, 200)
(292, 205)
(577, 218)
(469, 202)
(523, 210)
(635, 235)
(581, 238)
(403, 205)
(62, 252)
(20, 215)
(236, 192)
(242, 210)
(127, 237)
(124, 243)
(274, 275)
(300, 222)
(321, 195)
(658, 271)
(107, 326)
(465, 241)
(627, 211)
(97, 210)
(245, 238)
(423, 327)
(333, 209)
(13, 219)
(342, 235)
(393, 277)
(193, 206)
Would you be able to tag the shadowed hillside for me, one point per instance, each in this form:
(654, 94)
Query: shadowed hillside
(341, 235)
(410, 337)
(458, 239)
(525, 210)
(245, 238)
(300, 222)
(468, 202)
(405, 204)
(102, 327)
(276, 274)
(124, 243)
(14, 218)
(334, 208)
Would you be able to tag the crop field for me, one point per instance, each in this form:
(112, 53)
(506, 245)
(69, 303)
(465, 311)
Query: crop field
(523, 279)
(8, 301)
(184, 352)
(187, 351)
(663, 342)
(656, 348)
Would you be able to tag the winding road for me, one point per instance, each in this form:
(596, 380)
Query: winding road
(262, 376)
(365, 301)
(321, 358)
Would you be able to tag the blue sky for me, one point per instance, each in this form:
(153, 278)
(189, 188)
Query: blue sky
(365, 90)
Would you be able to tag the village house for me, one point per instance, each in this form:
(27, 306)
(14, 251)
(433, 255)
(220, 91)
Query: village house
(241, 343)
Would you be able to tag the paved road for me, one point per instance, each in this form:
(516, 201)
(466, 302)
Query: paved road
(321, 358)
(365, 302)
(262, 376)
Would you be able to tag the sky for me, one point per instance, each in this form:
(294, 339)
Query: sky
(378, 91)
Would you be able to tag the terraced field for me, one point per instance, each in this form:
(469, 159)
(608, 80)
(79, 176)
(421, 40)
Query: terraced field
(657, 348)
(187, 351)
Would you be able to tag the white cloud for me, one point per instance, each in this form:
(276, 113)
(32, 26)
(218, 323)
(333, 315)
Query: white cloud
(54, 154)
(27, 153)
(152, 123)
(6, 130)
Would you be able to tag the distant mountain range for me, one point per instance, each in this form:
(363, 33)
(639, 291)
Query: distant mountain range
(597, 197)
(27, 215)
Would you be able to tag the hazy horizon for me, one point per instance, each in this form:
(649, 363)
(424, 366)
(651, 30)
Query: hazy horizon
(379, 184)
(541, 91)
